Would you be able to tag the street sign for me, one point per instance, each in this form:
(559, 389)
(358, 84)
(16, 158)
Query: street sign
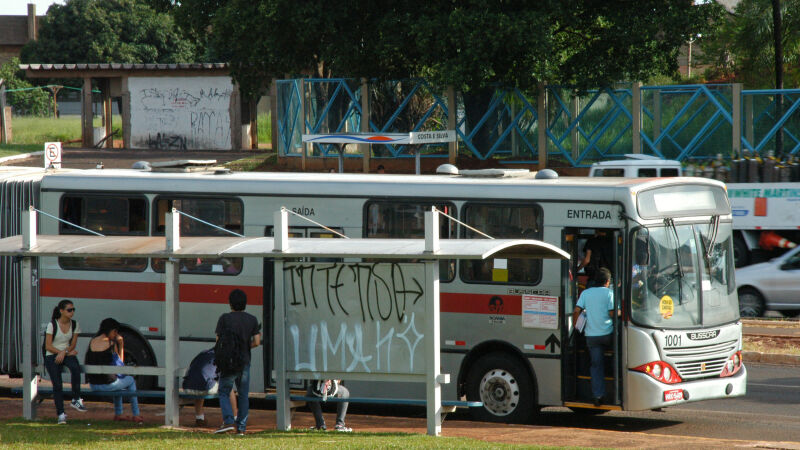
(52, 155)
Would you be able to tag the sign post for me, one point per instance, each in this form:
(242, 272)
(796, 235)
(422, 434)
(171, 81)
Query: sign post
(52, 155)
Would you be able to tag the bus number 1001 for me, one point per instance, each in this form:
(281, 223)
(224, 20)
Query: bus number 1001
(673, 340)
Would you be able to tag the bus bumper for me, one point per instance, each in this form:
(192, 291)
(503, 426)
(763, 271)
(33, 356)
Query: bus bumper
(644, 392)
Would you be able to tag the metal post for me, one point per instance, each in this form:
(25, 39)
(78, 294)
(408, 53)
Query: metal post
(748, 120)
(541, 113)
(636, 117)
(29, 379)
(736, 117)
(417, 161)
(452, 115)
(657, 118)
(283, 406)
(172, 322)
(433, 379)
(366, 149)
(87, 116)
(575, 110)
(3, 125)
(303, 107)
(273, 119)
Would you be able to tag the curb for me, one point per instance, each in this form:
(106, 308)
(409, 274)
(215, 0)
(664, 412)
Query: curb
(20, 156)
(771, 358)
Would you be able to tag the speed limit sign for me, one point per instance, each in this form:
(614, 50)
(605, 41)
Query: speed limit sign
(52, 155)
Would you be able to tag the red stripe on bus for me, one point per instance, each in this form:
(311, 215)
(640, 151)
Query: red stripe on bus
(452, 302)
(130, 290)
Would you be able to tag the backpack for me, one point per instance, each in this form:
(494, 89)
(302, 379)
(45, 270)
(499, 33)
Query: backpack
(55, 330)
(228, 351)
(325, 388)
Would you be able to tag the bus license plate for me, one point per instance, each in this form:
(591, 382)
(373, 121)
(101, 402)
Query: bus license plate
(675, 394)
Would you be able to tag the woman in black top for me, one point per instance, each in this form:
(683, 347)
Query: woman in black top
(107, 349)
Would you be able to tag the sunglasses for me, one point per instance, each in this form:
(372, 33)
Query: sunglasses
(70, 310)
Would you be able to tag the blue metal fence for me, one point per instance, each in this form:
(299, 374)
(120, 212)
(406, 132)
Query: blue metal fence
(677, 122)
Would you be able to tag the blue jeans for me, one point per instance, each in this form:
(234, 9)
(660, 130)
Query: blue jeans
(242, 381)
(71, 362)
(597, 346)
(127, 383)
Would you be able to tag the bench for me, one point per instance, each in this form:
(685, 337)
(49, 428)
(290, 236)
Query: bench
(43, 390)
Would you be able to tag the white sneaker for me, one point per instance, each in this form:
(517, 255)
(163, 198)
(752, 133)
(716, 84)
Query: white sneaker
(78, 404)
(62, 419)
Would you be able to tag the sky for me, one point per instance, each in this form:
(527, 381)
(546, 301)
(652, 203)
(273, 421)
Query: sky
(20, 7)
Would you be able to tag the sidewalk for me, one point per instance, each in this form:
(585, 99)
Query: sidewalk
(263, 420)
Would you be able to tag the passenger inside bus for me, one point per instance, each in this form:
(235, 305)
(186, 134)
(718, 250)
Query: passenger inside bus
(597, 252)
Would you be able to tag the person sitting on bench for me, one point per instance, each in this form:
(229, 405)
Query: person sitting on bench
(325, 389)
(107, 349)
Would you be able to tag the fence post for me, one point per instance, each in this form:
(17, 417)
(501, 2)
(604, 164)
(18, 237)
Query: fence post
(452, 115)
(273, 112)
(748, 120)
(303, 108)
(657, 118)
(366, 149)
(3, 126)
(541, 113)
(575, 110)
(736, 117)
(636, 117)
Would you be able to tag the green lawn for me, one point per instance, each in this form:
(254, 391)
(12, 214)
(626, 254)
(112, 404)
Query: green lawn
(18, 433)
(30, 133)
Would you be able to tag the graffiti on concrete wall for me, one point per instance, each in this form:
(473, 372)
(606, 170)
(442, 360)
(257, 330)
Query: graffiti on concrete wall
(187, 113)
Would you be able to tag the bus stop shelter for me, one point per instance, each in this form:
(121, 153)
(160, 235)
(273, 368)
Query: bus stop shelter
(426, 252)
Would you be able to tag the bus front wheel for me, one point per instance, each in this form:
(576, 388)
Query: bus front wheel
(500, 381)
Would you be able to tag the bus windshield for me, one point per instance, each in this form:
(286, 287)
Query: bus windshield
(682, 276)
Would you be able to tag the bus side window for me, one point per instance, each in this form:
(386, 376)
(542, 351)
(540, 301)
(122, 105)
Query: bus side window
(669, 172)
(110, 215)
(406, 220)
(503, 221)
(223, 212)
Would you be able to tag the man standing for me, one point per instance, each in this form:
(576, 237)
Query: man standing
(598, 302)
(237, 332)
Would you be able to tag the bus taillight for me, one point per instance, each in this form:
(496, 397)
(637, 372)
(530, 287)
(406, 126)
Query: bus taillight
(733, 365)
(661, 371)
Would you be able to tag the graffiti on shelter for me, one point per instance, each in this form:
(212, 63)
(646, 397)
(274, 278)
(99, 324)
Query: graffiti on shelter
(355, 317)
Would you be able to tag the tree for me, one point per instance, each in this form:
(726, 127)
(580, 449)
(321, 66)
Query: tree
(471, 44)
(105, 31)
(30, 101)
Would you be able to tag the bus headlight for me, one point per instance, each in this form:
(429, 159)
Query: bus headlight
(660, 371)
(732, 365)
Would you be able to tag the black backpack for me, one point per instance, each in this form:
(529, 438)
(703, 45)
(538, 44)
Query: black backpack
(229, 351)
(55, 330)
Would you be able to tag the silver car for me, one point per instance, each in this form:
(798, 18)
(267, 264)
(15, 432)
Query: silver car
(773, 285)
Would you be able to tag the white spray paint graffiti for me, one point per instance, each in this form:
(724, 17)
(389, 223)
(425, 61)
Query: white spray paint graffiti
(355, 317)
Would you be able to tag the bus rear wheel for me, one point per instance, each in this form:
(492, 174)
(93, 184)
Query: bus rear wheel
(137, 353)
(500, 381)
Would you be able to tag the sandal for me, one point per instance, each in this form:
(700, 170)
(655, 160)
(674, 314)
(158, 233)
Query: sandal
(137, 419)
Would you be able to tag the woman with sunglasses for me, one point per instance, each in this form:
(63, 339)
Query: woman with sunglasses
(107, 349)
(61, 336)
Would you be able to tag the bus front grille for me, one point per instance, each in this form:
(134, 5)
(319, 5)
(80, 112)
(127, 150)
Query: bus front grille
(701, 361)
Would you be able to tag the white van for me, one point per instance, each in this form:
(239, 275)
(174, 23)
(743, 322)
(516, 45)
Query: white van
(636, 166)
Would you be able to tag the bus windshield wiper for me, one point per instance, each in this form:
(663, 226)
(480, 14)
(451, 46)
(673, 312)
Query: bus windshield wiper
(670, 223)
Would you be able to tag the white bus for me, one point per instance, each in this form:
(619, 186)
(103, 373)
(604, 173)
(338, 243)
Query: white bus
(678, 339)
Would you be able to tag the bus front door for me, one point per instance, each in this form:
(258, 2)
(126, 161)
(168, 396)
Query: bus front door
(576, 382)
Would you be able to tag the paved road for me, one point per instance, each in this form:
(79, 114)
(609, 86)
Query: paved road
(770, 411)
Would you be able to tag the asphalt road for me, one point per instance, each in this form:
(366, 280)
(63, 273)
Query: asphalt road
(770, 411)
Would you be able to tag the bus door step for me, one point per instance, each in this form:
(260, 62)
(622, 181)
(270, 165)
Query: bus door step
(591, 406)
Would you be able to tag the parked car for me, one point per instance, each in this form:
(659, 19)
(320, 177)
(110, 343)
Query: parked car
(773, 285)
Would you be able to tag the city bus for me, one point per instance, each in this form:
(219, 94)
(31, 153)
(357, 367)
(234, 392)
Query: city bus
(506, 333)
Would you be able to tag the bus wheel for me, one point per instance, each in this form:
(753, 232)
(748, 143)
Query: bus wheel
(501, 382)
(137, 353)
(751, 304)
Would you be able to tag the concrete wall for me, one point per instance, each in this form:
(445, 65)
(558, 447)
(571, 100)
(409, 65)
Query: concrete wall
(180, 113)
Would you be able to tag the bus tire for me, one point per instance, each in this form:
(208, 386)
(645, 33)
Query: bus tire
(138, 353)
(502, 383)
(741, 255)
(751, 303)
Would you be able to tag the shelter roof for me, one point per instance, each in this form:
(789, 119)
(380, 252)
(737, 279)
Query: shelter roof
(120, 69)
(198, 247)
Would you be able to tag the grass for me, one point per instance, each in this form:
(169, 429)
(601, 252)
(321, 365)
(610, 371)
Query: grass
(30, 133)
(18, 433)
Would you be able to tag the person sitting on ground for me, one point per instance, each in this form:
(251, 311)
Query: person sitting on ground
(201, 379)
(60, 340)
(325, 389)
(107, 349)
